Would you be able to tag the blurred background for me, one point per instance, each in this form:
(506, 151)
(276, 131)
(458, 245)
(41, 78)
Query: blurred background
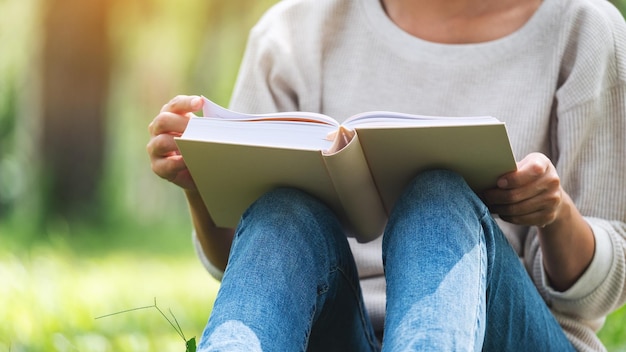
(86, 229)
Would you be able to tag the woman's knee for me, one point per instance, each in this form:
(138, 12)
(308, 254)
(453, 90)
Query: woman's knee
(436, 189)
(437, 206)
(287, 205)
(438, 184)
(435, 197)
(291, 214)
(292, 221)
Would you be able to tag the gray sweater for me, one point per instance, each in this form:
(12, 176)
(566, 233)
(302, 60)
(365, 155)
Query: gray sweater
(559, 84)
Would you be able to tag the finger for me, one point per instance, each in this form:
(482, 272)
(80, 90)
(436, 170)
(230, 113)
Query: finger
(523, 208)
(531, 168)
(183, 104)
(539, 210)
(162, 145)
(169, 168)
(169, 123)
(504, 197)
(540, 217)
(544, 191)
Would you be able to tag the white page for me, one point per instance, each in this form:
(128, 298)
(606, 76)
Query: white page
(392, 119)
(309, 136)
(210, 109)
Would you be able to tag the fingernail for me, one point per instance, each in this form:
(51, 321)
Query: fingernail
(195, 102)
(503, 182)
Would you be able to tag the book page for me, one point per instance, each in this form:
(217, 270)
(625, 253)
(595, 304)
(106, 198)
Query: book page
(213, 110)
(340, 138)
(376, 119)
(284, 134)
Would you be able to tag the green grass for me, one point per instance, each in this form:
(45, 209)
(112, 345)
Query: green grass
(52, 289)
(613, 334)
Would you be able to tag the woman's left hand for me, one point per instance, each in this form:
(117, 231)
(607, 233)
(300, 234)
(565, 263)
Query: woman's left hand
(532, 195)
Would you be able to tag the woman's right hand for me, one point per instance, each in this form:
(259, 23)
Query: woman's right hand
(171, 122)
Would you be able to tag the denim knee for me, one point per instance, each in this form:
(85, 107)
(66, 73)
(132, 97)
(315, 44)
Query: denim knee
(439, 183)
(288, 206)
(443, 188)
(292, 221)
(434, 199)
(294, 216)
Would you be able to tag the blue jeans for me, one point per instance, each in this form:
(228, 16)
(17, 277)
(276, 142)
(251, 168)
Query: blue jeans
(453, 281)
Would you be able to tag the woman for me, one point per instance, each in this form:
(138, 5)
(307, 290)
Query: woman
(446, 274)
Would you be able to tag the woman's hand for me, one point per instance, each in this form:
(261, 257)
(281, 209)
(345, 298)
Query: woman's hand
(532, 195)
(171, 122)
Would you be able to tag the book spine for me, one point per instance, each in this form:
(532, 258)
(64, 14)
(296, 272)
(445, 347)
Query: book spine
(363, 213)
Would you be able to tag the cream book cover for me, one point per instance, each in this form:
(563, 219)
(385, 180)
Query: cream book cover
(358, 168)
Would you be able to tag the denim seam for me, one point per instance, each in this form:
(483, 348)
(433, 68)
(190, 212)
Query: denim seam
(307, 334)
(482, 283)
(362, 314)
(486, 217)
(322, 289)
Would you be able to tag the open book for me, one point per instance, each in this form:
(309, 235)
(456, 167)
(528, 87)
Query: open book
(358, 168)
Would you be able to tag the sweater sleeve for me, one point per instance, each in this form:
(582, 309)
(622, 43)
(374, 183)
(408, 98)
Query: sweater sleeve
(600, 290)
(590, 156)
(213, 270)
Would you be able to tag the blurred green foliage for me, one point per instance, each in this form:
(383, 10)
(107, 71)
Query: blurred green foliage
(56, 277)
(161, 48)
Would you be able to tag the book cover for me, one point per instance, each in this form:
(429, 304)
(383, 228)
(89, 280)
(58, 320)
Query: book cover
(358, 169)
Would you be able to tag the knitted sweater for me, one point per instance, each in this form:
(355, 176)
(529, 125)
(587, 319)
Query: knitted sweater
(559, 84)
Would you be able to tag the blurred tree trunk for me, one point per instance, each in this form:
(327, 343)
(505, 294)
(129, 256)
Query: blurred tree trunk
(75, 83)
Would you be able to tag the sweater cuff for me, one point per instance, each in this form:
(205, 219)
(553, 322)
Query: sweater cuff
(594, 275)
(216, 272)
